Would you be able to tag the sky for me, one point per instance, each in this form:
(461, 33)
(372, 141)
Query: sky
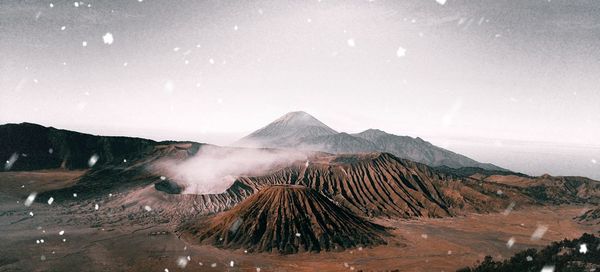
(507, 82)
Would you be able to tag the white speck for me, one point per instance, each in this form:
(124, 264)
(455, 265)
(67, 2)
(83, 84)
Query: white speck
(50, 151)
(166, 270)
(35, 81)
(163, 178)
(96, 207)
(11, 161)
(529, 258)
(125, 64)
(211, 61)
(499, 192)
(74, 194)
(84, 43)
(93, 159)
(147, 208)
(50, 200)
(594, 161)
(30, 213)
(346, 265)
(231, 264)
(308, 20)
(260, 11)
(62, 232)
(235, 28)
(510, 242)
(169, 86)
(42, 241)
(176, 49)
(306, 163)
(547, 268)
(509, 209)
(110, 195)
(449, 252)
(64, 240)
(583, 248)
(441, 2)
(182, 262)
(140, 1)
(37, 241)
(124, 160)
(498, 35)
(51, 5)
(63, 27)
(43, 258)
(539, 232)
(186, 62)
(258, 269)
(298, 234)
(108, 38)
(351, 42)
(76, 4)
(401, 52)
(189, 258)
(220, 101)
(213, 265)
(30, 199)
(424, 236)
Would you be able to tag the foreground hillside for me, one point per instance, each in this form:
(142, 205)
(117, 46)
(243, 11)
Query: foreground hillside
(581, 254)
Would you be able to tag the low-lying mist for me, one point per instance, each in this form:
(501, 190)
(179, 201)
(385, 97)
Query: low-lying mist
(214, 169)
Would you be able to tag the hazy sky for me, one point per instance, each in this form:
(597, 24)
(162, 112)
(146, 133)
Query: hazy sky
(489, 71)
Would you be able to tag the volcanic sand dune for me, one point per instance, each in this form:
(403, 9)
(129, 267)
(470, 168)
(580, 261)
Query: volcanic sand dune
(286, 219)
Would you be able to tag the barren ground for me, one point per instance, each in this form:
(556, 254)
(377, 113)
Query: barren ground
(100, 241)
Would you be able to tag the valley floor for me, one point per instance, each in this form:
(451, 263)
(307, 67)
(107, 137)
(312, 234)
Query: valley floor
(120, 245)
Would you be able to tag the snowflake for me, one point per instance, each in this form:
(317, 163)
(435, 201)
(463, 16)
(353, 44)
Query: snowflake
(93, 159)
(108, 38)
(182, 262)
(548, 268)
(351, 42)
(30, 199)
(62, 232)
(539, 232)
(401, 52)
(84, 43)
(96, 207)
(510, 242)
(583, 248)
(441, 2)
(50, 200)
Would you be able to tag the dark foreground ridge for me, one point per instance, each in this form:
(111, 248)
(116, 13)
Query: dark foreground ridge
(286, 219)
(582, 254)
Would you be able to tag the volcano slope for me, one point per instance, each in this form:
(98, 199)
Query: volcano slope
(374, 185)
(286, 219)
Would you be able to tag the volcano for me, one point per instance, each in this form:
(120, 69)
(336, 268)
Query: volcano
(300, 130)
(286, 219)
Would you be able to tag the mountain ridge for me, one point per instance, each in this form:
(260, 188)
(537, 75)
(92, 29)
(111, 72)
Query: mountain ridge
(308, 133)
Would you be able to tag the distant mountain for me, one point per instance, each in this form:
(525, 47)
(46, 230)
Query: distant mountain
(29, 146)
(288, 130)
(300, 130)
